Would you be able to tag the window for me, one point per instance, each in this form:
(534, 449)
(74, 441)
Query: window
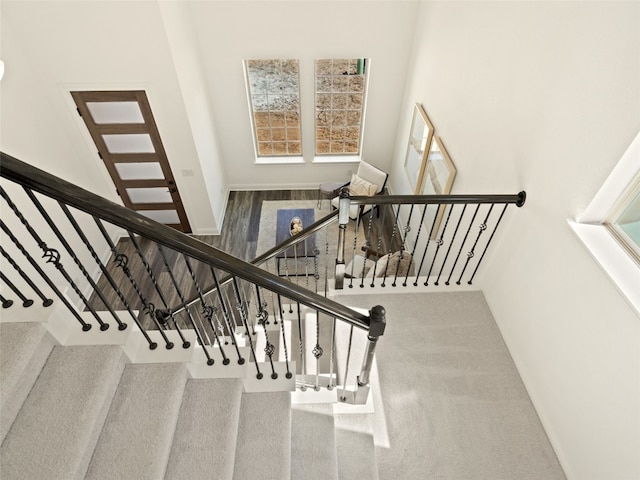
(340, 99)
(274, 91)
(624, 221)
(615, 210)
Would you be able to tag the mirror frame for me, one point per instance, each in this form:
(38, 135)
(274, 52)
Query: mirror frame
(419, 120)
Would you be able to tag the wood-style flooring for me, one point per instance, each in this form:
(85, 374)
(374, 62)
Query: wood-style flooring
(166, 281)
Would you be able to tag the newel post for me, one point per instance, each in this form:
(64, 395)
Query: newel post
(376, 329)
(343, 220)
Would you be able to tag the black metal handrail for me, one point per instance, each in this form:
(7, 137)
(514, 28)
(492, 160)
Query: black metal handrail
(517, 199)
(85, 201)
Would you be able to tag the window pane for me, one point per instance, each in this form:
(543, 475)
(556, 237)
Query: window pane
(274, 92)
(340, 98)
(129, 143)
(115, 112)
(629, 220)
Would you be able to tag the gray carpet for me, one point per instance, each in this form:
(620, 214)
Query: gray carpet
(313, 443)
(136, 438)
(58, 426)
(454, 404)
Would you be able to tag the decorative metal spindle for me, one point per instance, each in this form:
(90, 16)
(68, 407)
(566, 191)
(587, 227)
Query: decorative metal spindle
(220, 326)
(424, 253)
(332, 353)
(353, 254)
(284, 341)
(207, 310)
(162, 316)
(316, 274)
(390, 246)
(306, 265)
(286, 274)
(85, 326)
(227, 319)
(439, 243)
(46, 302)
(262, 317)
(198, 320)
(26, 302)
(303, 366)
(407, 229)
(471, 254)
(184, 304)
(415, 243)
(243, 316)
(121, 261)
(486, 247)
(462, 244)
(326, 262)
(75, 258)
(6, 302)
(317, 351)
(52, 256)
(295, 265)
(367, 244)
(343, 397)
(453, 237)
(245, 304)
(378, 247)
(96, 258)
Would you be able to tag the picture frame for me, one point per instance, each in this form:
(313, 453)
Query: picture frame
(418, 147)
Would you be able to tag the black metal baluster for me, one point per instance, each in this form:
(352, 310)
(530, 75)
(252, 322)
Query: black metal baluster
(317, 351)
(486, 247)
(105, 272)
(162, 316)
(85, 326)
(407, 229)
(26, 302)
(46, 302)
(415, 243)
(378, 246)
(184, 305)
(462, 244)
(367, 244)
(353, 254)
(471, 254)
(453, 237)
(424, 254)
(343, 397)
(6, 302)
(262, 317)
(439, 243)
(76, 260)
(53, 256)
(303, 366)
(227, 318)
(243, 316)
(284, 340)
(207, 310)
(122, 261)
(390, 249)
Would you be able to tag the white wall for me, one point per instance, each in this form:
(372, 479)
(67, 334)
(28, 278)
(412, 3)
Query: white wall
(231, 32)
(543, 96)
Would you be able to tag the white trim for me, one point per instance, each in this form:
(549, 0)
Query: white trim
(275, 186)
(337, 159)
(613, 259)
(603, 247)
(279, 160)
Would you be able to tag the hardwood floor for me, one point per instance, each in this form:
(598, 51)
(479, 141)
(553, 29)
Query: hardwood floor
(167, 281)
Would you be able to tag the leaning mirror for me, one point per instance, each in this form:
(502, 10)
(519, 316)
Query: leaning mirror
(419, 143)
(437, 179)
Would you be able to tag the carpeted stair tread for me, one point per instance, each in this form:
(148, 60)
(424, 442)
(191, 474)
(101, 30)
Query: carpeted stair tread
(205, 438)
(24, 349)
(356, 455)
(313, 443)
(59, 423)
(137, 434)
(263, 446)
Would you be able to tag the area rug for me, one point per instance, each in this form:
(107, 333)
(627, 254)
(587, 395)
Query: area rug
(300, 270)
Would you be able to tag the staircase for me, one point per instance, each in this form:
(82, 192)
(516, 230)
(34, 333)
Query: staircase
(86, 411)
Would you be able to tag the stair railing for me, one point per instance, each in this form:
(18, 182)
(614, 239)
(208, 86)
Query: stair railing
(418, 239)
(224, 317)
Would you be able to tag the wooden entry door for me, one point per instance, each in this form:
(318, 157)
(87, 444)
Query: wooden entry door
(125, 133)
